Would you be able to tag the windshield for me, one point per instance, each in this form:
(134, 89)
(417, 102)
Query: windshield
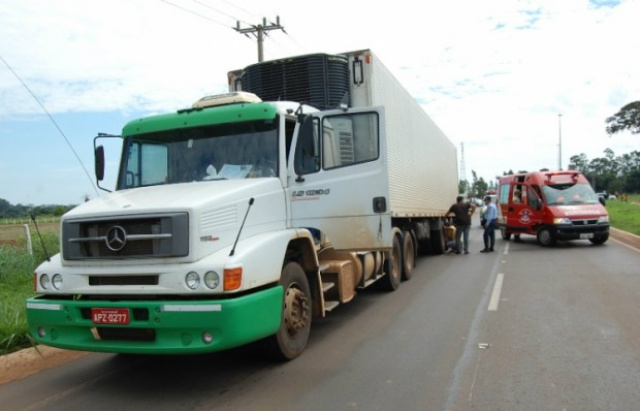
(569, 194)
(238, 150)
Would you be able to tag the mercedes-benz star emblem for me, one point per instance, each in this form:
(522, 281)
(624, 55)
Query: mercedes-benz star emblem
(116, 238)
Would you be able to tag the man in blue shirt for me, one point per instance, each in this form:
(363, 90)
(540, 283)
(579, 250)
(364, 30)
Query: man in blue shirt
(489, 235)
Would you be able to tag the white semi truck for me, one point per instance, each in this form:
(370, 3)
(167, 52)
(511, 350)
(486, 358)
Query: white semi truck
(249, 214)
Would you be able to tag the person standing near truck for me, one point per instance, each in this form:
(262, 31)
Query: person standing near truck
(462, 220)
(489, 235)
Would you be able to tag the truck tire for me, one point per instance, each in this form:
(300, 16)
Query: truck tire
(408, 255)
(546, 238)
(291, 339)
(599, 240)
(505, 235)
(393, 267)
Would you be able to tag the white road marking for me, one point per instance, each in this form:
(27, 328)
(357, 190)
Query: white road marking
(495, 294)
(506, 249)
(625, 244)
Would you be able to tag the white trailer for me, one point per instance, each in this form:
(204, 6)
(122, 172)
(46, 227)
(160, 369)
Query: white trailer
(247, 215)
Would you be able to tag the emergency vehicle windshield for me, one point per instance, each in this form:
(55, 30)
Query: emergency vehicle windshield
(569, 194)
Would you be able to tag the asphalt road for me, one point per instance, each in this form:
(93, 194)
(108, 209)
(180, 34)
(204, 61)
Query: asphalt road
(523, 328)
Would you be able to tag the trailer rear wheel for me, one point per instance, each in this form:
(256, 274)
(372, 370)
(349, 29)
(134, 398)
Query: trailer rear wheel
(546, 238)
(295, 325)
(408, 255)
(393, 267)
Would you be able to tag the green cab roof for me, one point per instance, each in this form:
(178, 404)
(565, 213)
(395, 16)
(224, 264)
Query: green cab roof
(188, 118)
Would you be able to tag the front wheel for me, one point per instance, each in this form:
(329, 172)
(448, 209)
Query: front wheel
(599, 240)
(393, 267)
(408, 256)
(505, 235)
(295, 324)
(546, 238)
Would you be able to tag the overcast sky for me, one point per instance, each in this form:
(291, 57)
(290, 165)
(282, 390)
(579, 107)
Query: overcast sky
(493, 74)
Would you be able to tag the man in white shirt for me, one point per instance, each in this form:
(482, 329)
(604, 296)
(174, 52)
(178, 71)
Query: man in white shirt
(489, 235)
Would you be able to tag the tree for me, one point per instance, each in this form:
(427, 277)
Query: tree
(579, 162)
(628, 118)
(4, 206)
(633, 182)
(479, 187)
(463, 186)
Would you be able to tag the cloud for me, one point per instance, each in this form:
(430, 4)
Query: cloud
(492, 74)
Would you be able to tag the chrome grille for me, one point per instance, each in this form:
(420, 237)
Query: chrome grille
(127, 237)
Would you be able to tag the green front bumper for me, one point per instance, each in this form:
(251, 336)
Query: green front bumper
(157, 327)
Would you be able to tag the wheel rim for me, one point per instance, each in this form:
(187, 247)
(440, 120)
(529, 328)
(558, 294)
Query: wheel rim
(296, 310)
(545, 237)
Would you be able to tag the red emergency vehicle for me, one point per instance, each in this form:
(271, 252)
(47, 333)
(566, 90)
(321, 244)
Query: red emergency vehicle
(552, 205)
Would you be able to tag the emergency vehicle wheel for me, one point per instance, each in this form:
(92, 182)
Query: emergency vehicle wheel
(393, 267)
(546, 238)
(295, 325)
(505, 235)
(599, 240)
(408, 255)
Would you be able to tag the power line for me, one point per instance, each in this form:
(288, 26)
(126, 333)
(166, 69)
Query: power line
(214, 9)
(241, 9)
(196, 13)
(54, 123)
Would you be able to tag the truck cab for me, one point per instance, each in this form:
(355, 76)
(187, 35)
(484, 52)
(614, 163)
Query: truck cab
(558, 205)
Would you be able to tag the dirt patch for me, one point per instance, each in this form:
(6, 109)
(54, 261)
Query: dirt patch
(24, 363)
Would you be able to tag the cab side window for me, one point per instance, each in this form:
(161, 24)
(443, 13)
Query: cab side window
(349, 139)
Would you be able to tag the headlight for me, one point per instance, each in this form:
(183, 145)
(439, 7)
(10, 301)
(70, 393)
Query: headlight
(44, 281)
(211, 279)
(56, 281)
(561, 221)
(603, 219)
(192, 280)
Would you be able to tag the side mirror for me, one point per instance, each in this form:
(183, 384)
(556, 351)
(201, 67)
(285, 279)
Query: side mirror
(99, 163)
(306, 159)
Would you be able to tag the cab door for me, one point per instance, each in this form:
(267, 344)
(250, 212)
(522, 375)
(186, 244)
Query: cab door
(337, 181)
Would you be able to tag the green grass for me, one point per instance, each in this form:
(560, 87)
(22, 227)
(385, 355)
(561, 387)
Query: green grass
(16, 285)
(625, 215)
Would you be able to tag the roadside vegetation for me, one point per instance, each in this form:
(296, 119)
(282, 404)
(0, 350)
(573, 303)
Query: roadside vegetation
(16, 285)
(625, 215)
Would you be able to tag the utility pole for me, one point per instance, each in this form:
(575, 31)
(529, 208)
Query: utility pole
(463, 166)
(259, 32)
(560, 142)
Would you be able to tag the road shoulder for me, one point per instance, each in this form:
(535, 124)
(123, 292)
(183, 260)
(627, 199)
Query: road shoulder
(625, 237)
(29, 361)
